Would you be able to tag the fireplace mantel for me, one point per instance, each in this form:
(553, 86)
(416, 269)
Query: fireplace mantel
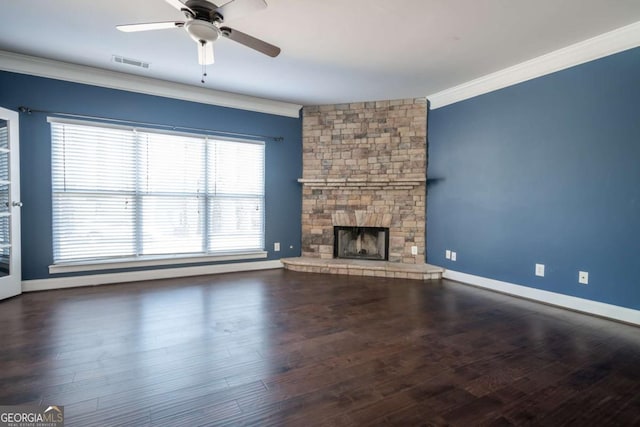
(372, 183)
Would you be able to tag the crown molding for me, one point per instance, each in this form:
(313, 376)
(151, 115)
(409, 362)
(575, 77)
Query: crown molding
(41, 67)
(606, 44)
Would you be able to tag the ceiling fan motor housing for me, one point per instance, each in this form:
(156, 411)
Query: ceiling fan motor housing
(204, 10)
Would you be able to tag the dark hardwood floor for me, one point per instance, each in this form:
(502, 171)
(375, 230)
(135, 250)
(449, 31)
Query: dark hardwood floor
(283, 348)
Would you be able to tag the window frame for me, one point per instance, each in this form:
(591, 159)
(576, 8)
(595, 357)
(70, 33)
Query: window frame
(138, 260)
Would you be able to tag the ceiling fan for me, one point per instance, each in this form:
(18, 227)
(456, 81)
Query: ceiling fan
(204, 25)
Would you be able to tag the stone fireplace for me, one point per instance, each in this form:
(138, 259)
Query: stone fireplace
(365, 166)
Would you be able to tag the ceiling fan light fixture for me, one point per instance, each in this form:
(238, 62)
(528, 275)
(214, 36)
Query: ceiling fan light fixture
(205, 53)
(201, 31)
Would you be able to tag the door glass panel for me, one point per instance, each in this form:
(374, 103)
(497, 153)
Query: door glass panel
(4, 198)
(4, 134)
(5, 214)
(4, 230)
(4, 261)
(4, 165)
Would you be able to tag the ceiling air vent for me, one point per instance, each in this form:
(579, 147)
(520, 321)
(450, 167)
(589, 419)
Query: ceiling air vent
(128, 61)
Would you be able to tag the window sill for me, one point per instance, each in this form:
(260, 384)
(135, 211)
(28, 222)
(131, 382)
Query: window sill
(122, 263)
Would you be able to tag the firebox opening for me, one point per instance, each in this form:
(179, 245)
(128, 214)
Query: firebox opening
(361, 243)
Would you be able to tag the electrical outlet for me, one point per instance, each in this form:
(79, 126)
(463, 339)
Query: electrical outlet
(414, 250)
(276, 246)
(447, 254)
(540, 270)
(583, 277)
(454, 256)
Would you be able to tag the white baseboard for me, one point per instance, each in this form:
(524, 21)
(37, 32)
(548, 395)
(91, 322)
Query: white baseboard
(135, 276)
(615, 312)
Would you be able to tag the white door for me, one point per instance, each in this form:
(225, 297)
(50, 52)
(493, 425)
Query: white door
(10, 267)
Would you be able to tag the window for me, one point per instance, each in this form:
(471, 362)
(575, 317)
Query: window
(129, 193)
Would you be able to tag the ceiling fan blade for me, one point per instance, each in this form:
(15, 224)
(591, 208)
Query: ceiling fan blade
(205, 53)
(150, 26)
(238, 8)
(249, 41)
(180, 6)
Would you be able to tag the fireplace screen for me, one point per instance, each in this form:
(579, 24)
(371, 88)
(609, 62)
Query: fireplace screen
(361, 243)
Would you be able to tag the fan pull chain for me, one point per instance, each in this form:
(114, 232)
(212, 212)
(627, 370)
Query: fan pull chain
(204, 65)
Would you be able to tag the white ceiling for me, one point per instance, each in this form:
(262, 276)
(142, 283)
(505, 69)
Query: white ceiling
(333, 51)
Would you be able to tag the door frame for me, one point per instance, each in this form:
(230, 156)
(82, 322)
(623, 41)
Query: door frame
(11, 285)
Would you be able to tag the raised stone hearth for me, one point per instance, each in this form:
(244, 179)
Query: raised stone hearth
(354, 267)
(365, 165)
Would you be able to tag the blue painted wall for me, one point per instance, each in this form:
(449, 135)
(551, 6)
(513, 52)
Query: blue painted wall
(283, 159)
(547, 171)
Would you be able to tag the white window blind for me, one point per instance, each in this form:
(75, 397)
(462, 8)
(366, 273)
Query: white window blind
(235, 210)
(130, 193)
